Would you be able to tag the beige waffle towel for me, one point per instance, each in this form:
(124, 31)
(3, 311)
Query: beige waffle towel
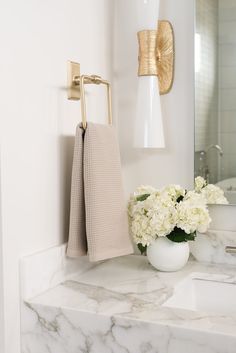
(98, 217)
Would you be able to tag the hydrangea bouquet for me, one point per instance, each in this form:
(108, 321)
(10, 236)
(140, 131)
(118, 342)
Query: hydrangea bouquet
(171, 212)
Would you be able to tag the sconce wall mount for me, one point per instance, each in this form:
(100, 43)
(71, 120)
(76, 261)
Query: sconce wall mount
(156, 54)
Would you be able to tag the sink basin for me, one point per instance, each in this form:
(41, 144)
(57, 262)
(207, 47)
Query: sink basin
(202, 293)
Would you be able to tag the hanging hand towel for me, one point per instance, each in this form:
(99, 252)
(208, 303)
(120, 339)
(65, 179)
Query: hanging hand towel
(77, 244)
(98, 218)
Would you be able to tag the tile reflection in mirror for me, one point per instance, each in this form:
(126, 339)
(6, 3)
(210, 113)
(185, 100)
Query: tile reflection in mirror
(215, 93)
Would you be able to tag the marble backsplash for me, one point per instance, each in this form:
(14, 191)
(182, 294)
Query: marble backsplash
(210, 247)
(44, 270)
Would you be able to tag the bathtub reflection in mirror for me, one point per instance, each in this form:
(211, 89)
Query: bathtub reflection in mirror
(215, 93)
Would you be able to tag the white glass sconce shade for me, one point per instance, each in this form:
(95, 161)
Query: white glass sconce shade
(148, 131)
(148, 127)
(148, 13)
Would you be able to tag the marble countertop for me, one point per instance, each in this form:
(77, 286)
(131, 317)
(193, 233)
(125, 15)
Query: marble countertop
(128, 288)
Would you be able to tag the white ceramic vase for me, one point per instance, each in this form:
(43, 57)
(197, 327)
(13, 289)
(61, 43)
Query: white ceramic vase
(166, 255)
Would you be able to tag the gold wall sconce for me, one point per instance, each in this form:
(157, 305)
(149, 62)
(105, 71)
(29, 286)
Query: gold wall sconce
(156, 54)
(155, 73)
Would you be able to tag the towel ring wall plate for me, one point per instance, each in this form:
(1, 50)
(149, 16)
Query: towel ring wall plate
(76, 89)
(73, 70)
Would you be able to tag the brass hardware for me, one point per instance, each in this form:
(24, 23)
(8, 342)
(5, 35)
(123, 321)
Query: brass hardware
(156, 54)
(147, 53)
(165, 45)
(73, 70)
(230, 249)
(76, 89)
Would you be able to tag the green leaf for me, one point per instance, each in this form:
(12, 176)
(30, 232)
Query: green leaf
(180, 198)
(142, 197)
(191, 236)
(142, 248)
(178, 236)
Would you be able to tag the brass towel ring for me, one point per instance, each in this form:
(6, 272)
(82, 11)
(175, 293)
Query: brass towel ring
(76, 89)
(97, 80)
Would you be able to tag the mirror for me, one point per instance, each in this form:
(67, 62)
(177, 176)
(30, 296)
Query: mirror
(215, 94)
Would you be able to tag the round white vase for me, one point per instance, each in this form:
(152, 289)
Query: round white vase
(166, 255)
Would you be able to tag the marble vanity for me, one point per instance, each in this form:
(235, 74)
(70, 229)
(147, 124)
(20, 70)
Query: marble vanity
(118, 306)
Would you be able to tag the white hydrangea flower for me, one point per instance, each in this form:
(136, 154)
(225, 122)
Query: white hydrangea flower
(159, 214)
(200, 183)
(193, 216)
(145, 189)
(174, 191)
(153, 217)
(162, 214)
(214, 195)
(195, 198)
(141, 231)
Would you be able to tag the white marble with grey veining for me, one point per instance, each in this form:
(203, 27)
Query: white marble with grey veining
(116, 307)
(210, 247)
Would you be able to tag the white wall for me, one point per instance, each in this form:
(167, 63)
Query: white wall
(175, 163)
(1, 275)
(37, 122)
